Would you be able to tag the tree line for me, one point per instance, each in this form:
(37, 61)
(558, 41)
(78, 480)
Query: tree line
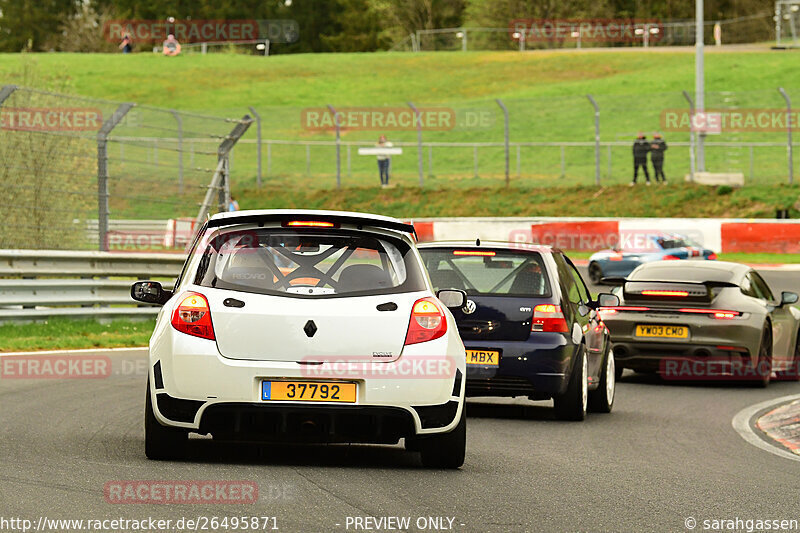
(325, 25)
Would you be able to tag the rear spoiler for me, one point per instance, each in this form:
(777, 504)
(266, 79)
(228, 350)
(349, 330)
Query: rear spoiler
(620, 281)
(395, 225)
(672, 291)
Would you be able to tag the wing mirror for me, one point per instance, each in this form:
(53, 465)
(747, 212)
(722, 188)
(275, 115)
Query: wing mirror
(452, 298)
(607, 299)
(788, 298)
(150, 292)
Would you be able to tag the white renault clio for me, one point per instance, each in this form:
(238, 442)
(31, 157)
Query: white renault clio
(305, 326)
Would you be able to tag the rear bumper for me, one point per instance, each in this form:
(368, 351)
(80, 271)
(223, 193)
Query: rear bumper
(539, 367)
(193, 387)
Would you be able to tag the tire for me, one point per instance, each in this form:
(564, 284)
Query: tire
(601, 400)
(573, 403)
(447, 450)
(763, 368)
(161, 442)
(793, 372)
(595, 273)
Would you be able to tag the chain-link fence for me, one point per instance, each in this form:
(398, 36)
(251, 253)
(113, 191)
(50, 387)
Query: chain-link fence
(551, 141)
(70, 164)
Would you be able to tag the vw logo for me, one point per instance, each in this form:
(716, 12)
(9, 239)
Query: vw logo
(470, 307)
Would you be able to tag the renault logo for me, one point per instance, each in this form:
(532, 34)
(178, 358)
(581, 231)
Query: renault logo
(470, 307)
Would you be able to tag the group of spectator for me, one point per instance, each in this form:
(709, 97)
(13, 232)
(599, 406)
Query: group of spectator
(170, 47)
(656, 149)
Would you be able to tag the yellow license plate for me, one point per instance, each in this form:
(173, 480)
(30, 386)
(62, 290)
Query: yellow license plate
(483, 357)
(308, 391)
(664, 332)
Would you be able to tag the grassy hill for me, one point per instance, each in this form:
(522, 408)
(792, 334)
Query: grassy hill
(544, 91)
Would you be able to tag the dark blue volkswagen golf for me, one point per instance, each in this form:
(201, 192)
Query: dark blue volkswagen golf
(529, 325)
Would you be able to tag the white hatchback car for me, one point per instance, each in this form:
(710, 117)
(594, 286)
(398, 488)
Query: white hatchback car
(305, 326)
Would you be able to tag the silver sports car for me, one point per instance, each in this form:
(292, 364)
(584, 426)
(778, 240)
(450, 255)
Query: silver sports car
(703, 320)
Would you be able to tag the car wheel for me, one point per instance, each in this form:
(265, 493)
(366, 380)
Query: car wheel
(793, 372)
(763, 369)
(601, 400)
(444, 451)
(161, 442)
(572, 404)
(595, 273)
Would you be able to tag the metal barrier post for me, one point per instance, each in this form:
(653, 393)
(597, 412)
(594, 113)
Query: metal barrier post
(505, 133)
(691, 136)
(338, 146)
(5, 92)
(102, 173)
(418, 120)
(596, 139)
(788, 132)
(258, 144)
(179, 120)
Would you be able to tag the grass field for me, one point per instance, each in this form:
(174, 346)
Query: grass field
(544, 91)
(61, 333)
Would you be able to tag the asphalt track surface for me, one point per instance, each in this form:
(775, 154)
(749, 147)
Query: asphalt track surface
(666, 453)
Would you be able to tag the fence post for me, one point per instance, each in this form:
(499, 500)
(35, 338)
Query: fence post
(179, 121)
(258, 144)
(788, 132)
(338, 147)
(102, 173)
(691, 135)
(220, 181)
(596, 139)
(418, 120)
(269, 159)
(5, 92)
(505, 133)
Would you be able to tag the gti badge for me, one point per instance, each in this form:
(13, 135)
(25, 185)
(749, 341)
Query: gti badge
(470, 307)
(310, 328)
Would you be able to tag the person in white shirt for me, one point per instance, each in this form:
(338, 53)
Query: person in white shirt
(384, 161)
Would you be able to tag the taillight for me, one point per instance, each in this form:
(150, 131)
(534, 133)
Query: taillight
(714, 313)
(193, 316)
(481, 253)
(615, 310)
(615, 257)
(712, 257)
(308, 224)
(427, 322)
(670, 257)
(549, 317)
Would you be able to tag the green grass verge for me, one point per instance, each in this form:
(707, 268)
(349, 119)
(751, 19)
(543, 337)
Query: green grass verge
(673, 200)
(63, 333)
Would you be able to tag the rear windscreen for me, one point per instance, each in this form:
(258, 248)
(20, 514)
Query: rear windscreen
(485, 272)
(311, 263)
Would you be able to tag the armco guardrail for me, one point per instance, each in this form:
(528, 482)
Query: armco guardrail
(39, 284)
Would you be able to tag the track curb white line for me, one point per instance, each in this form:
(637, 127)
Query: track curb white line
(741, 422)
(83, 351)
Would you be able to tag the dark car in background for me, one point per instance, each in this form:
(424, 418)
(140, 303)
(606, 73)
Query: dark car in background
(529, 325)
(638, 249)
(708, 319)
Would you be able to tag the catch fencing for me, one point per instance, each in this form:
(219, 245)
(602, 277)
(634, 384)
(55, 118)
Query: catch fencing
(66, 159)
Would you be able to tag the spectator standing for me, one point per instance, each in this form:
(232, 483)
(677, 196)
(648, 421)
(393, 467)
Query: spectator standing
(640, 149)
(384, 161)
(233, 205)
(657, 149)
(127, 43)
